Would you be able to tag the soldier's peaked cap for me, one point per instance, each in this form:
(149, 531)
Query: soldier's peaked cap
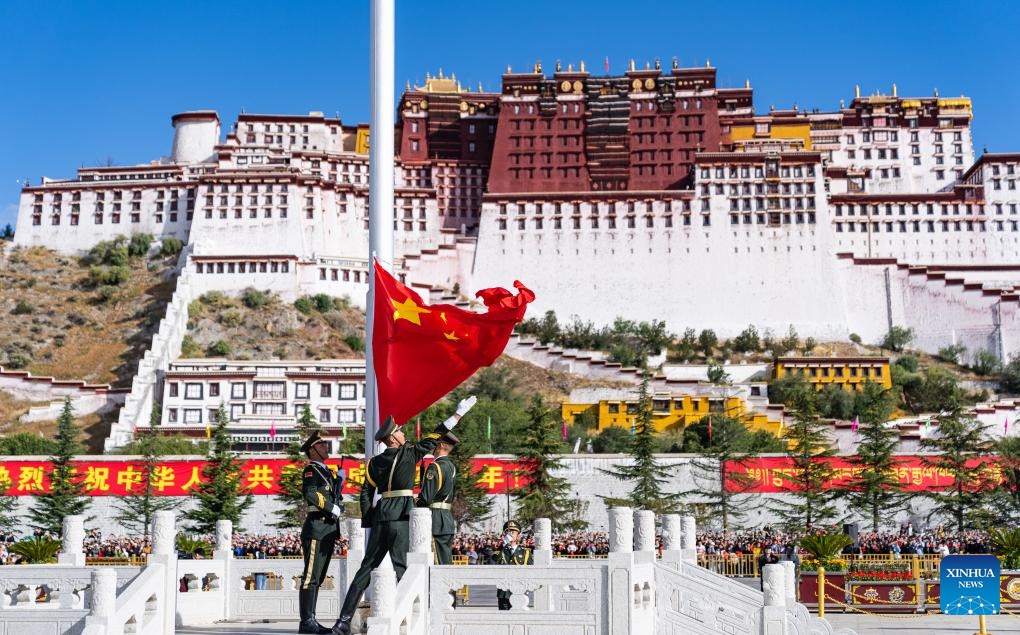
(312, 440)
(511, 525)
(386, 429)
(450, 439)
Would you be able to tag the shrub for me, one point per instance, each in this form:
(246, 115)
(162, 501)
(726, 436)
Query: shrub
(194, 309)
(825, 547)
(985, 363)
(255, 299)
(192, 545)
(231, 318)
(304, 305)
(36, 550)
(105, 293)
(809, 346)
(108, 275)
(322, 302)
(219, 349)
(951, 354)
(355, 342)
(17, 359)
(897, 338)
(23, 308)
(855, 338)
(908, 363)
(213, 298)
(188, 347)
(171, 246)
(139, 245)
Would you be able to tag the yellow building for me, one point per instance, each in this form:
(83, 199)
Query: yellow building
(793, 128)
(669, 412)
(849, 372)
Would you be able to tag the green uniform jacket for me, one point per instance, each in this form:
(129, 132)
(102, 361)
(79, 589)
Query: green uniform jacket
(438, 486)
(510, 554)
(394, 471)
(320, 488)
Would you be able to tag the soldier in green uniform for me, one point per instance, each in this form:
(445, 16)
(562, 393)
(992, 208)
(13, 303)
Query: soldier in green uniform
(512, 552)
(391, 474)
(437, 491)
(321, 491)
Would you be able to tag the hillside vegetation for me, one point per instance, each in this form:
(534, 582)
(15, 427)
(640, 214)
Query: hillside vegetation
(80, 318)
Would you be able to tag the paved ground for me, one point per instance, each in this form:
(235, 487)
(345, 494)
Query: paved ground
(863, 624)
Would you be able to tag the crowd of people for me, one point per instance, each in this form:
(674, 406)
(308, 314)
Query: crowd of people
(481, 548)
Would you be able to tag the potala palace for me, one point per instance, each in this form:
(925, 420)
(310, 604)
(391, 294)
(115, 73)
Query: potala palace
(650, 195)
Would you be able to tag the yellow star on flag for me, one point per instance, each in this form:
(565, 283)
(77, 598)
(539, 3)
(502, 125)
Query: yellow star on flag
(452, 336)
(408, 310)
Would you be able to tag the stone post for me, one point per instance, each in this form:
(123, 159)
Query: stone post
(355, 554)
(774, 611)
(542, 529)
(644, 530)
(688, 540)
(224, 551)
(72, 542)
(621, 530)
(621, 570)
(104, 599)
(164, 554)
(790, 581)
(384, 598)
(420, 545)
(671, 533)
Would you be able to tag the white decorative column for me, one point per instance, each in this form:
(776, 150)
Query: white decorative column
(104, 600)
(420, 546)
(224, 551)
(688, 540)
(542, 531)
(672, 540)
(644, 530)
(774, 611)
(384, 598)
(621, 569)
(790, 581)
(72, 542)
(164, 555)
(355, 554)
(621, 530)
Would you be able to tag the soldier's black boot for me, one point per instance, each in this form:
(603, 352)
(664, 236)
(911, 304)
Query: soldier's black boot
(343, 623)
(306, 611)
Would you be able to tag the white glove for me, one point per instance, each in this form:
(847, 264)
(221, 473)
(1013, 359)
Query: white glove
(465, 405)
(337, 512)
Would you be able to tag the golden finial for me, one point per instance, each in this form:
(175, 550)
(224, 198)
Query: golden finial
(676, 62)
(582, 66)
(508, 71)
(658, 64)
(440, 72)
(648, 66)
(459, 89)
(559, 66)
(453, 76)
(538, 66)
(632, 63)
(708, 63)
(894, 90)
(480, 87)
(857, 91)
(747, 83)
(408, 87)
(570, 68)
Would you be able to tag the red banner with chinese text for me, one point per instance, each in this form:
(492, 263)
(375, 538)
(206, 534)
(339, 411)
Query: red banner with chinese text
(773, 475)
(179, 478)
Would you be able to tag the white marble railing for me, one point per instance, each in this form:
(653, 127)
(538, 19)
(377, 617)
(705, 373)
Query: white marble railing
(139, 608)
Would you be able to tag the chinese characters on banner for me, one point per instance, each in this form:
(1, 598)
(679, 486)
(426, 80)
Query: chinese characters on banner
(179, 478)
(765, 475)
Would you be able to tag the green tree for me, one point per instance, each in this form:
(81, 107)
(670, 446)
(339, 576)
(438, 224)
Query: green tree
(27, 444)
(958, 447)
(685, 348)
(720, 483)
(495, 383)
(543, 495)
(748, 341)
(875, 492)
(644, 472)
(67, 489)
(934, 390)
(292, 511)
(137, 511)
(707, 340)
(7, 233)
(166, 445)
(898, 338)
(1011, 375)
(8, 504)
(1006, 498)
(809, 448)
(222, 494)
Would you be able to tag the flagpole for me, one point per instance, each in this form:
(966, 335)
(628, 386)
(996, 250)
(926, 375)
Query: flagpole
(380, 192)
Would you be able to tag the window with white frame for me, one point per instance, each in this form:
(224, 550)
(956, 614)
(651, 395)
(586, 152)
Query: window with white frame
(323, 415)
(346, 415)
(348, 391)
(237, 390)
(192, 391)
(236, 410)
(192, 415)
(301, 391)
(171, 415)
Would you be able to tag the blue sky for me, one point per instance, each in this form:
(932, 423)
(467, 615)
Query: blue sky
(88, 81)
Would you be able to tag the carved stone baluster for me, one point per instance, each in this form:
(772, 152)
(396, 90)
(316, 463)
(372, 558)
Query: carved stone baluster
(542, 529)
(621, 530)
(644, 530)
(72, 542)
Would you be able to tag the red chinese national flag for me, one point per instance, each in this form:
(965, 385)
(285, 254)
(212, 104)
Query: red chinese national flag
(423, 351)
